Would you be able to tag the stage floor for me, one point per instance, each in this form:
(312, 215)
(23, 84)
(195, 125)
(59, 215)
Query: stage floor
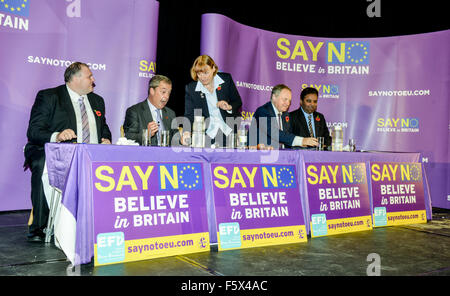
(419, 249)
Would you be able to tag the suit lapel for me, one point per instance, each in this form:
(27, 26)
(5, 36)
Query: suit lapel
(201, 97)
(303, 122)
(94, 108)
(285, 115)
(269, 108)
(220, 93)
(165, 118)
(66, 103)
(146, 114)
(147, 117)
(316, 123)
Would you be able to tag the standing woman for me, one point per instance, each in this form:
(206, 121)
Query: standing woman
(215, 94)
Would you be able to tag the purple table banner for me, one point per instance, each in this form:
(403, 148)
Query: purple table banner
(397, 193)
(257, 205)
(146, 210)
(338, 195)
(73, 169)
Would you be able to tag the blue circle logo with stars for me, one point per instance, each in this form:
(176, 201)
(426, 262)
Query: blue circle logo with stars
(414, 172)
(189, 177)
(357, 53)
(17, 7)
(359, 173)
(285, 177)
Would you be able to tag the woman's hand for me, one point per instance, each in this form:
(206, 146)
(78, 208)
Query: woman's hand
(224, 105)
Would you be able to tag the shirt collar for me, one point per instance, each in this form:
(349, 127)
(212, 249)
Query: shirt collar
(217, 81)
(151, 106)
(306, 114)
(73, 95)
(275, 109)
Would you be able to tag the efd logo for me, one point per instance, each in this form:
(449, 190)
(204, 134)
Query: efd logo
(16, 7)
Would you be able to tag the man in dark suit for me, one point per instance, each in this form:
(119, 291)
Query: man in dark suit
(306, 121)
(273, 122)
(68, 113)
(151, 114)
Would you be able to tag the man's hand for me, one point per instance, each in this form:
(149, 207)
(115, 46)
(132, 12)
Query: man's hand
(106, 141)
(66, 135)
(186, 139)
(153, 128)
(310, 142)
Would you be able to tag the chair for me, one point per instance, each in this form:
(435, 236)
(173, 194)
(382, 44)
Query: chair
(54, 202)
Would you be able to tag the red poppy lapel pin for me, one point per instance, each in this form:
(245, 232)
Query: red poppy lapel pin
(317, 118)
(219, 87)
(287, 118)
(98, 113)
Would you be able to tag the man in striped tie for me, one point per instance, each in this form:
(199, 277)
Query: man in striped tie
(307, 122)
(68, 113)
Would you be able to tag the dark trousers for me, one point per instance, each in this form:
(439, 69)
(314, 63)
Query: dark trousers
(38, 200)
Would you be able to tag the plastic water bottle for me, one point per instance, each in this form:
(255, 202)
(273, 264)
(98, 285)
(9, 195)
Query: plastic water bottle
(242, 137)
(198, 132)
(337, 138)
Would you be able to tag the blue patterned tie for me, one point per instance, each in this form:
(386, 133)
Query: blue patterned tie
(84, 121)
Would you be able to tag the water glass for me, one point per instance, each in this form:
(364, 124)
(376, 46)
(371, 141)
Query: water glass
(320, 141)
(242, 138)
(165, 137)
(231, 141)
(145, 137)
(352, 145)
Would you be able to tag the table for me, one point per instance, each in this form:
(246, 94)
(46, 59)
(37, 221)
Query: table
(69, 170)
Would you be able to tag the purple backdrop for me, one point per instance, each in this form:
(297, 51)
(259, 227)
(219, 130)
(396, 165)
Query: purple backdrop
(118, 40)
(390, 94)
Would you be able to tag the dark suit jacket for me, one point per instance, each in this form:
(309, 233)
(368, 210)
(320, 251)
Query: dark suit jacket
(137, 118)
(52, 112)
(197, 100)
(266, 111)
(300, 126)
